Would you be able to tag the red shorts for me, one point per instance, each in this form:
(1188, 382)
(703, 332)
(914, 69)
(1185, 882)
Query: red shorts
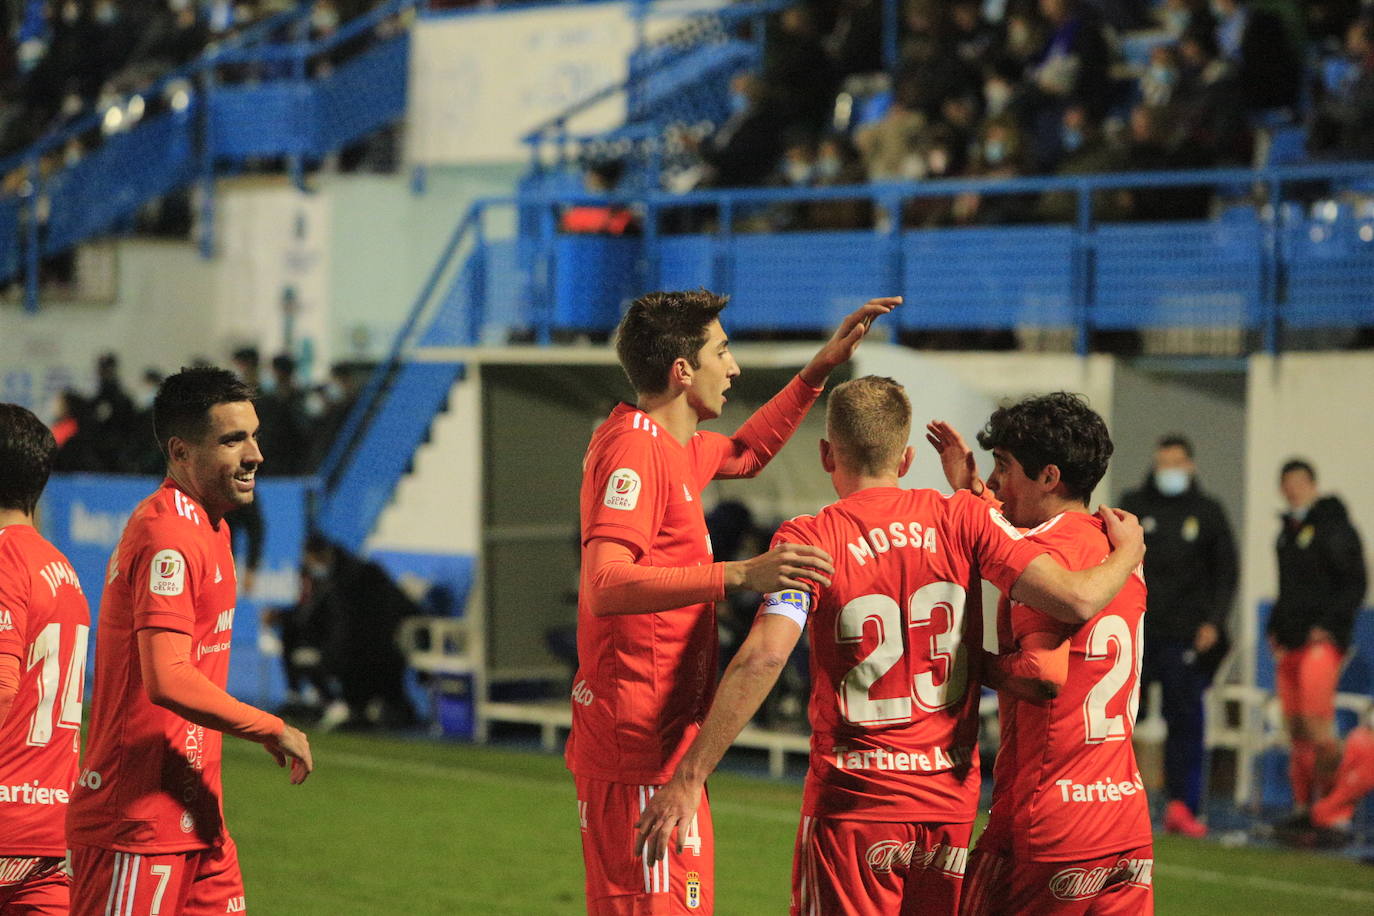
(619, 881)
(33, 886)
(202, 883)
(876, 868)
(1306, 680)
(1120, 884)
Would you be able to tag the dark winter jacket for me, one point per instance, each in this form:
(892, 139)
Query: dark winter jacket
(1190, 560)
(1321, 575)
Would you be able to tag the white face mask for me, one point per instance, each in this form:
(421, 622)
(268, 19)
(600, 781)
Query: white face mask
(1172, 481)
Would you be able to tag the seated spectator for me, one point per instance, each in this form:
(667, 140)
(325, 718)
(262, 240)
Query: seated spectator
(1085, 151)
(1208, 107)
(1161, 78)
(1344, 123)
(1268, 66)
(1146, 151)
(1072, 69)
(838, 165)
(887, 146)
(744, 150)
(797, 73)
(1001, 154)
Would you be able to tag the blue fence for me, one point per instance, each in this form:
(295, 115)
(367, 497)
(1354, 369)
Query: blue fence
(1261, 268)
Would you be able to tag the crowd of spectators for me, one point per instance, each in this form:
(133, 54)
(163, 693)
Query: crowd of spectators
(111, 429)
(64, 59)
(1008, 88)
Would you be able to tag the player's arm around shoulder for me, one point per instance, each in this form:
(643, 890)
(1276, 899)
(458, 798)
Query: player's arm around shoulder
(1076, 596)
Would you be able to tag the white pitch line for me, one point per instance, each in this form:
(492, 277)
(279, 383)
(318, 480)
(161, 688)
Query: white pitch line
(1255, 882)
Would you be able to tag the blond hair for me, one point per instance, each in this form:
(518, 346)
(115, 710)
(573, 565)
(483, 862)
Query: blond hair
(868, 423)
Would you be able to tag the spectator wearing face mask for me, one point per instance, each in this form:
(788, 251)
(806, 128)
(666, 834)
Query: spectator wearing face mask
(1190, 565)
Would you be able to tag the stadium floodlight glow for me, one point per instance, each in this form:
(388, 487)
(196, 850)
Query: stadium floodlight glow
(114, 118)
(135, 109)
(180, 100)
(1367, 233)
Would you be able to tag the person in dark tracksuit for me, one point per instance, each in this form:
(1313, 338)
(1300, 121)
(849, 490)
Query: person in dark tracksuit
(1190, 568)
(1322, 583)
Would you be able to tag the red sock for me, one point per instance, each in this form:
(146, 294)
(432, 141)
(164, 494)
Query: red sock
(1302, 761)
(1354, 780)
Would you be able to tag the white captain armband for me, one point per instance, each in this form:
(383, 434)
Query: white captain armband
(790, 603)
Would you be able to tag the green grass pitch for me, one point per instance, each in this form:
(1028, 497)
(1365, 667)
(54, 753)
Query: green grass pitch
(396, 826)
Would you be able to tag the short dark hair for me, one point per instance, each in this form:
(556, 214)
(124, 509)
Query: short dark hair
(1298, 464)
(182, 406)
(660, 328)
(248, 355)
(1059, 429)
(27, 448)
(1176, 440)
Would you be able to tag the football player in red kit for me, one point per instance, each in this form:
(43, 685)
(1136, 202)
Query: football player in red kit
(893, 783)
(146, 823)
(1069, 831)
(44, 625)
(646, 625)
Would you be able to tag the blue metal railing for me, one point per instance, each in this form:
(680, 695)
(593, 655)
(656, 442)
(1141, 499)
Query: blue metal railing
(650, 112)
(1258, 267)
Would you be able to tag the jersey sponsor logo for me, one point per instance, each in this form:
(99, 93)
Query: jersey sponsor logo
(898, 534)
(1086, 883)
(692, 893)
(1102, 790)
(581, 693)
(6, 621)
(56, 574)
(622, 490)
(925, 760)
(31, 793)
(884, 854)
(188, 823)
(168, 573)
(225, 621)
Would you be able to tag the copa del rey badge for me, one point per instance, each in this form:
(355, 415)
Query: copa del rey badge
(622, 490)
(168, 573)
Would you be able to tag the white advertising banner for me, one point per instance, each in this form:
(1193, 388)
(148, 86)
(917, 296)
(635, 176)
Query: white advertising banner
(479, 83)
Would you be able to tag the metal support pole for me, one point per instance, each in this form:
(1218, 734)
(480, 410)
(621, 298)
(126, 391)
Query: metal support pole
(1082, 291)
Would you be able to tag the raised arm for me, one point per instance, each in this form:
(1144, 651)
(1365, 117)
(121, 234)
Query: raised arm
(1076, 596)
(745, 685)
(765, 433)
(173, 683)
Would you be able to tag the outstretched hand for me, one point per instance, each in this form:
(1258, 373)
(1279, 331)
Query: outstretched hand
(845, 341)
(957, 459)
